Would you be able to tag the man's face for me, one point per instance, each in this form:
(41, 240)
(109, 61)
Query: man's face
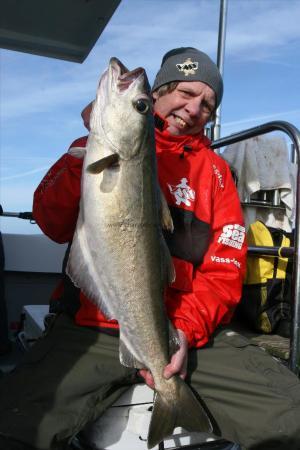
(188, 108)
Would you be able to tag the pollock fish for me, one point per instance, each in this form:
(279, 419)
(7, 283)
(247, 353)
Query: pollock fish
(118, 255)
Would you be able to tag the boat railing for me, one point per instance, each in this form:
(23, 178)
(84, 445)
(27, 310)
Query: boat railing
(294, 252)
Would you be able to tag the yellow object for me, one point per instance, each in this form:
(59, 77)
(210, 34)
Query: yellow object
(262, 273)
(262, 268)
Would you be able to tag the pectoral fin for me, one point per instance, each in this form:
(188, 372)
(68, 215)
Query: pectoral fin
(127, 359)
(98, 166)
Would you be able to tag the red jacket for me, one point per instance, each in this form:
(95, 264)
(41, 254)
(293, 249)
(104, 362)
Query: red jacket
(207, 245)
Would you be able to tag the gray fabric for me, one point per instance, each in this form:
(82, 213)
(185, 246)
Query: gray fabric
(71, 376)
(189, 64)
(66, 380)
(253, 398)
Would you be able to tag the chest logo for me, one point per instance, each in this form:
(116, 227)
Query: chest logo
(182, 192)
(188, 67)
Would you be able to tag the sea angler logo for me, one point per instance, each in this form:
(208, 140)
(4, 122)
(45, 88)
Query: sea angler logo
(189, 67)
(232, 235)
(182, 192)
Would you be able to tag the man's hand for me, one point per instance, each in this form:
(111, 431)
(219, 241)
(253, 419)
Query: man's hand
(177, 365)
(85, 114)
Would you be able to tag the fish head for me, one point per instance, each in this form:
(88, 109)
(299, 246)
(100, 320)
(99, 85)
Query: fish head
(122, 111)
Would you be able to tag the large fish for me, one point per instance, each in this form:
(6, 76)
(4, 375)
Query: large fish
(118, 256)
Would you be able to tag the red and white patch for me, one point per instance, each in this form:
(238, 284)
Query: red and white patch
(182, 192)
(233, 235)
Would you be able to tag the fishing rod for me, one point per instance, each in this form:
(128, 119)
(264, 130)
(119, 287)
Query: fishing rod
(19, 215)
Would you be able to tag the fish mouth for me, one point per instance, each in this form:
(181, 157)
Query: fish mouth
(124, 77)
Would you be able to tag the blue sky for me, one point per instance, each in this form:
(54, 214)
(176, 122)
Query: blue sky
(41, 98)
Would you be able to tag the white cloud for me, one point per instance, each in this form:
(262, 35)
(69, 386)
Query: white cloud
(25, 174)
(259, 29)
(140, 35)
(262, 118)
(38, 99)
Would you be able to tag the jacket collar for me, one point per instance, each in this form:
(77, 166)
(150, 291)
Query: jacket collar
(165, 140)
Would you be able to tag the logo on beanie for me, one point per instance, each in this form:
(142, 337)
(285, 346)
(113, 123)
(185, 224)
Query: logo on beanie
(189, 67)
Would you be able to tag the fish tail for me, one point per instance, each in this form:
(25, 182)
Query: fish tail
(187, 413)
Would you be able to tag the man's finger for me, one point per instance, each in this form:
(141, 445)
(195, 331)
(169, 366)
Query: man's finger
(147, 377)
(172, 369)
(183, 375)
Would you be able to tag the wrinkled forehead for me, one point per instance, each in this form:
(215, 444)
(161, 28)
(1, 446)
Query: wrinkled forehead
(197, 88)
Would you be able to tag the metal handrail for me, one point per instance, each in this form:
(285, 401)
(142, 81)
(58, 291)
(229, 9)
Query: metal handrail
(276, 252)
(294, 135)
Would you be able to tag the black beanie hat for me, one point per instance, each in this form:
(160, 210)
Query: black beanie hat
(189, 64)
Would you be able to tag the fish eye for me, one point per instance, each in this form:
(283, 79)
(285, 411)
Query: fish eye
(142, 106)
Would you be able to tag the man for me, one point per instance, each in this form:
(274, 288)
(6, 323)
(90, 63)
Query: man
(73, 374)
